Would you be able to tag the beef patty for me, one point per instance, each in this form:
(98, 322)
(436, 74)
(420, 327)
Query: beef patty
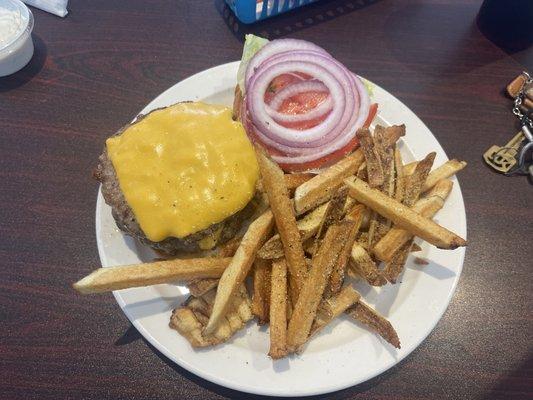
(126, 221)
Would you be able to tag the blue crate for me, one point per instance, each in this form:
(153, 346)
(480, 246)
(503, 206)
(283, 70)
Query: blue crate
(250, 11)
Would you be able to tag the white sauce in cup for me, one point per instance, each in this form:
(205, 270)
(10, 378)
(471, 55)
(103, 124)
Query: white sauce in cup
(16, 45)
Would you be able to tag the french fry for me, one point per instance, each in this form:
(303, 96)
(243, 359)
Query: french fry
(395, 266)
(292, 181)
(154, 273)
(386, 155)
(348, 204)
(362, 239)
(283, 211)
(373, 161)
(427, 207)
(363, 264)
(400, 177)
(384, 149)
(372, 227)
(323, 186)
(337, 274)
(199, 287)
(392, 134)
(415, 248)
(278, 310)
(307, 226)
(362, 173)
(289, 305)
(261, 294)
(371, 318)
(409, 168)
(404, 217)
(333, 215)
(415, 181)
(333, 307)
(239, 267)
(310, 296)
(446, 170)
(190, 318)
(237, 103)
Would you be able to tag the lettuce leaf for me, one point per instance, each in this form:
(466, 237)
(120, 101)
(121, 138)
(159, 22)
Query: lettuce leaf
(252, 45)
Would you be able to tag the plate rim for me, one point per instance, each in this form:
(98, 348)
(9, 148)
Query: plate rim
(243, 387)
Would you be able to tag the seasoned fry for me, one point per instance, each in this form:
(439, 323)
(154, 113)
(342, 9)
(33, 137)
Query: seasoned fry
(372, 234)
(362, 239)
(306, 306)
(400, 177)
(386, 155)
(332, 216)
(261, 295)
(348, 204)
(409, 168)
(415, 248)
(154, 273)
(427, 207)
(449, 168)
(415, 181)
(289, 305)
(278, 310)
(292, 181)
(394, 267)
(363, 264)
(337, 275)
(237, 104)
(322, 187)
(392, 134)
(371, 318)
(190, 318)
(442, 189)
(362, 173)
(333, 307)
(283, 211)
(373, 162)
(379, 225)
(404, 217)
(199, 287)
(239, 267)
(307, 226)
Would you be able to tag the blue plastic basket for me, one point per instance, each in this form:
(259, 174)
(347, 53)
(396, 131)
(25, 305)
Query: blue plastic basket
(250, 11)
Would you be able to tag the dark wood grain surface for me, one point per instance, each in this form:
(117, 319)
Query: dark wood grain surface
(94, 70)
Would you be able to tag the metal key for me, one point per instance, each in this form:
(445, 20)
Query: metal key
(504, 158)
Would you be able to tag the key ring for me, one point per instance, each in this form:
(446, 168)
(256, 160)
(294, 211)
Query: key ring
(525, 163)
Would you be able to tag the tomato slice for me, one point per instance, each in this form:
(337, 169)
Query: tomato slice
(299, 104)
(334, 156)
(371, 114)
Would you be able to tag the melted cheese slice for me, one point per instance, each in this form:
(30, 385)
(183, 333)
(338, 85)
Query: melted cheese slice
(184, 168)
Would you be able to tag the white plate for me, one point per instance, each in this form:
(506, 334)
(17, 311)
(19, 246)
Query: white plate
(343, 355)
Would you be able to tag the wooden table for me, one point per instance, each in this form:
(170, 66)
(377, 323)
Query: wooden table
(94, 70)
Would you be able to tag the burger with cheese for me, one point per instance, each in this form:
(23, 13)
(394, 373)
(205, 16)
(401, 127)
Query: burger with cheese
(180, 178)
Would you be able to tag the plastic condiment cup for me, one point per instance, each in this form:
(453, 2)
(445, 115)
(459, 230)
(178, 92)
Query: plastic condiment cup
(16, 44)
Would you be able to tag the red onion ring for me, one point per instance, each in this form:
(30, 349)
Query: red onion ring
(347, 104)
(275, 47)
(340, 91)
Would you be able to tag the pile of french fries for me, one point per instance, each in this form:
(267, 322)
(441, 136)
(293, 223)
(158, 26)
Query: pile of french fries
(357, 218)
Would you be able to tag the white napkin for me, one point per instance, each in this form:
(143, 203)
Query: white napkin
(57, 7)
